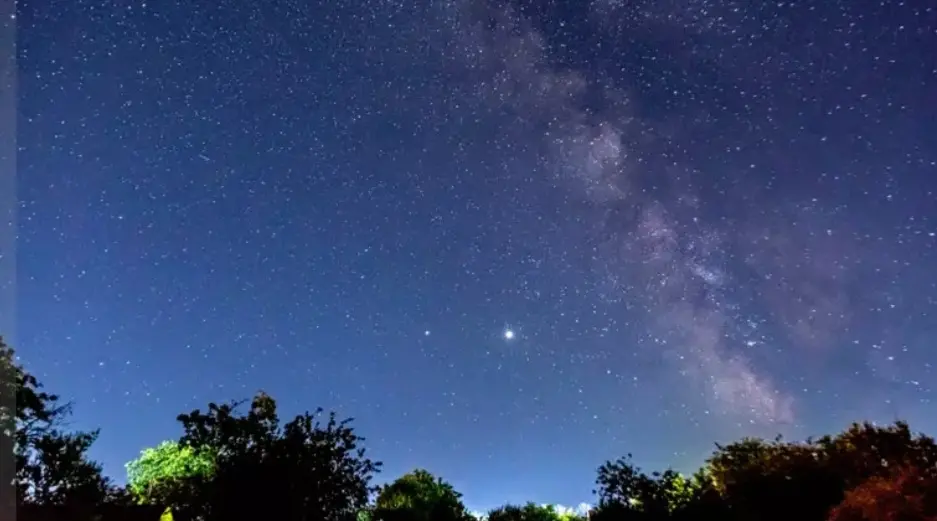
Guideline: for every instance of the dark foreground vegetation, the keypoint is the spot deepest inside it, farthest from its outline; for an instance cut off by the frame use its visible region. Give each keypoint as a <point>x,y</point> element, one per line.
<point>240,461</point>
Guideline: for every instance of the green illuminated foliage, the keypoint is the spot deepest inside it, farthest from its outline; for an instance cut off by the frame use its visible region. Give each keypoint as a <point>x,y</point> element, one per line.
<point>420,496</point>
<point>161,472</point>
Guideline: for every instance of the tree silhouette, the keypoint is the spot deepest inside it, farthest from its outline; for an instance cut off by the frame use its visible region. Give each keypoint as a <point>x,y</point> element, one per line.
<point>782,480</point>
<point>420,496</point>
<point>774,480</point>
<point>625,492</point>
<point>302,470</point>
<point>865,450</point>
<point>512,513</point>
<point>52,466</point>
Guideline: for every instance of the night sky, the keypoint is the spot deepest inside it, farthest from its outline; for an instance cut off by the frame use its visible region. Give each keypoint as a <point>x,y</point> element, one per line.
<point>513,239</point>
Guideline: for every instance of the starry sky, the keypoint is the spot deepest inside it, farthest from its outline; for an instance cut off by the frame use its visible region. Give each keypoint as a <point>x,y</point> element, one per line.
<point>697,219</point>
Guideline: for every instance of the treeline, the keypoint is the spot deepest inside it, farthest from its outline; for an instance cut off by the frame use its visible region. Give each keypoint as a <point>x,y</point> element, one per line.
<point>240,461</point>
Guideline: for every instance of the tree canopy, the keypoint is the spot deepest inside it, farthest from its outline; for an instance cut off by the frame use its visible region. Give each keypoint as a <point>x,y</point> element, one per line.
<point>169,474</point>
<point>52,465</point>
<point>230,464</point>
<point>420,496</point>
<point>530,512</point>
<point>904,493</point>
<point>777,479</point>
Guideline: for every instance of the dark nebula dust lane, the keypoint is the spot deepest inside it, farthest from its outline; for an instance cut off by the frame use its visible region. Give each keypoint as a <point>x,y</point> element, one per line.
<point>513,239</point>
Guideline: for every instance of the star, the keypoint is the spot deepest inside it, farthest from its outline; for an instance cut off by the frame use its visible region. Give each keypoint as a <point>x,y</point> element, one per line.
<point>508,334</point>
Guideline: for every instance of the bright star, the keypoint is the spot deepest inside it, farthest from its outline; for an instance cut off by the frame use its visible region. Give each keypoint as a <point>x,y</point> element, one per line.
<point>508,334</point>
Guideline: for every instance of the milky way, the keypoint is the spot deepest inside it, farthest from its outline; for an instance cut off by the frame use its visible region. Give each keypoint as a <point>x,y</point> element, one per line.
<point>657,246</point>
